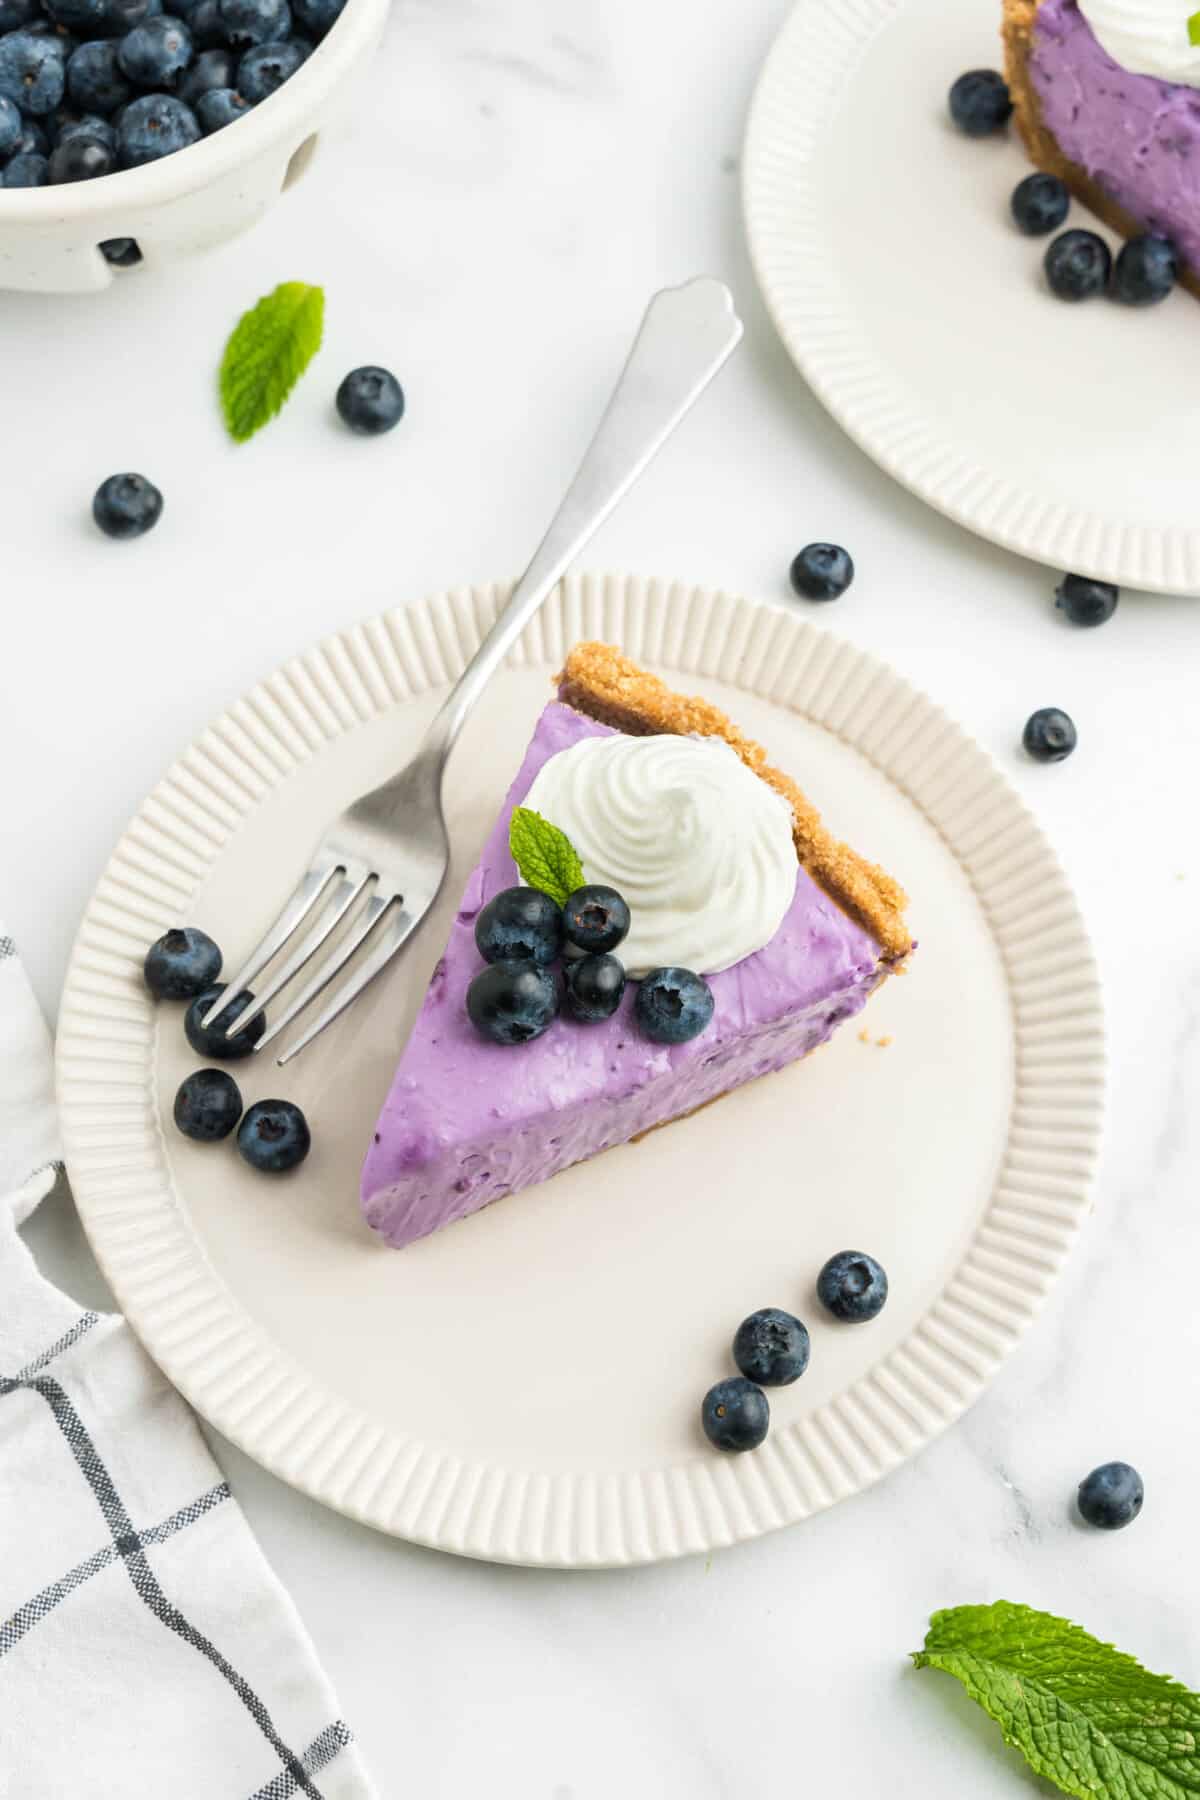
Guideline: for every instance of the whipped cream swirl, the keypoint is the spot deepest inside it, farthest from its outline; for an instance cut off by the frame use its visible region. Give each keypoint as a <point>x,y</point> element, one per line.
<point>1147,37</point>
<point>699,846</point>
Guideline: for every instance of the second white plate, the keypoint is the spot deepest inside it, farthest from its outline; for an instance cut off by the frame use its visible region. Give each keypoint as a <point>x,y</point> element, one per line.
<point>918,314</point>
<point>525,1385</point>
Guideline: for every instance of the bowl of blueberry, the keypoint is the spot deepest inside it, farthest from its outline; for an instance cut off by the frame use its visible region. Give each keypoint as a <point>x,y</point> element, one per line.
<point>141,131</point>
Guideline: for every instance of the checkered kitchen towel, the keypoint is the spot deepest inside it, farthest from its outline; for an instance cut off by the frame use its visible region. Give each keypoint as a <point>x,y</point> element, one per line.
<point>146,1650</point>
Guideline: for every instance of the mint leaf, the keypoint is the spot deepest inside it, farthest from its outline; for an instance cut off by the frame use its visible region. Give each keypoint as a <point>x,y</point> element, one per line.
<point>544,855</point>
<point>1194,28</point>
<point>268,352</point>
<point>1082,1714</point>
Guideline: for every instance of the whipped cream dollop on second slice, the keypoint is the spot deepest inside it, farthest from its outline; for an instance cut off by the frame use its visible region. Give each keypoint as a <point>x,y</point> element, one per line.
<point>697,844</point>
<point>1147,37</point>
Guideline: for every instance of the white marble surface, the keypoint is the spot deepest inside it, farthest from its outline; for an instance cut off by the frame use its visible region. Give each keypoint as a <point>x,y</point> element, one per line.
<point>525,172</point>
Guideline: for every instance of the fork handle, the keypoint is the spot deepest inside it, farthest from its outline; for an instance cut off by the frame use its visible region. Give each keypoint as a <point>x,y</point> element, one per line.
<point>685,337</point>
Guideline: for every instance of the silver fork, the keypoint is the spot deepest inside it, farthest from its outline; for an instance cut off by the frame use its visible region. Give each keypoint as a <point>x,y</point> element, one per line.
<point>380,865</point>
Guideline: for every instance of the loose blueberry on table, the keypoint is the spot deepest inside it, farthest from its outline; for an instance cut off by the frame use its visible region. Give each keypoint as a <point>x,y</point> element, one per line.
<point>1147,268</point>
<point>213,1040</point>
<point>821,572</point>
<point>1111,1496</point>
<point>595,918</point>
<point>1078,265</point>
<point>1040,203</point>
<point>735,1414</point>
<point>771,1347</point>
<point>512,1002</point>
<point>1084,601</point>
<point>181,964</point>
<point>520,924</point>
<point>208,1105</point>
<point>274,1136</point>
<point>673,1005</point>
<point>980,102</point>
<point>126,506</point>
<point>594,986</point>
<point>1049,735</point>
<point>370,401</point>
<point>853,1287</point>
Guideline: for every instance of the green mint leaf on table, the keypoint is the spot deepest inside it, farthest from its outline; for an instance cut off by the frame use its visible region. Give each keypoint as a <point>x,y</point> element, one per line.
<point>268,352</point>
<point>544,855</point>
<point>1088,1718</point>
<point>1194,28</point>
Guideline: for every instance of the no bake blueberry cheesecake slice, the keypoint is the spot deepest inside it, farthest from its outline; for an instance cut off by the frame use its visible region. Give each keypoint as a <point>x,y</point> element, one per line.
<point>1105,96</point>
<point>730,878</point>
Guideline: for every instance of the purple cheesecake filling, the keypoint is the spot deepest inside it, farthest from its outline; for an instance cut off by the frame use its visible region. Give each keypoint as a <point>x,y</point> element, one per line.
<point>467,1122</point>
<point>1136,136</point>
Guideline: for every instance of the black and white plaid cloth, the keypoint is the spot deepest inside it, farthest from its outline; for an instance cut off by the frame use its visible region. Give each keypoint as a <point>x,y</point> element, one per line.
<point>147,1652</point>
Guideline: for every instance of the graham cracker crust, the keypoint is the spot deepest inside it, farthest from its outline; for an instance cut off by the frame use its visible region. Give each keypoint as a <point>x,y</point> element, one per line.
<point>1017,31</point>
<point>606,685</point>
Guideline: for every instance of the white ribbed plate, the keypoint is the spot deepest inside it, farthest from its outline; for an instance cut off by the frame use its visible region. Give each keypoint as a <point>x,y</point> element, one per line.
<point>525,1385</point>
<point>916,311</point>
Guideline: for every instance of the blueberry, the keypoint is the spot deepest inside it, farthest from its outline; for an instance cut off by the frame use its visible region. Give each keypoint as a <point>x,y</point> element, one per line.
<point>1040,203</point>
<point>1049,734</point>
<point>181,964</point>
<point>1078,265</point>
<point>203,20</point>
<point>821,572</point>
<point>152,126</point>
<point>1086,602</point>
<point>215,68</point>
<point>95,80</point>
<point>16,13</point>
<point>595,918</point>
<point>371,401</point>
<point>1146,271</point>
<point>120,16</point>
<point>32,72</point>
<point>519,924</point>
<point>211,1040</point>
<point>10,126</point>
<point>673,1005</point>
<point>266,67</point>
<point>512,1002</point>
<point>126,506</point>
<point>274,1136</point>
<point>90,126</point>
<point>1111,1496</point>
<point>26,170</point>
<point>81,157</point>
<point>100,18</point>
<point>853,1287</point>
<point>247,22</point>
<point>122,253</point>
<point>33,140</point>
<point>980,102</point>
<point>594,986</point>
<point>208,1105</point>
<point>735,1414</point>
<point>220,107</point>
<point>317,16</point>
<point>156,52</point>
<point>771,1347</point>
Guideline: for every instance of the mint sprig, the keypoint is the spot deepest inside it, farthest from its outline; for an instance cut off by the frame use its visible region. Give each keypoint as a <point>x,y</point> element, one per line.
<point>544,855</point>
<point>267,353</point>
<point>1194,28</point>
<point>1084,1715</point>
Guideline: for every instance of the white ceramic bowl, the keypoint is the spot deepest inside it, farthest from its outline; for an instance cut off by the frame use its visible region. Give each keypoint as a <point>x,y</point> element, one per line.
<point>50,236</point>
